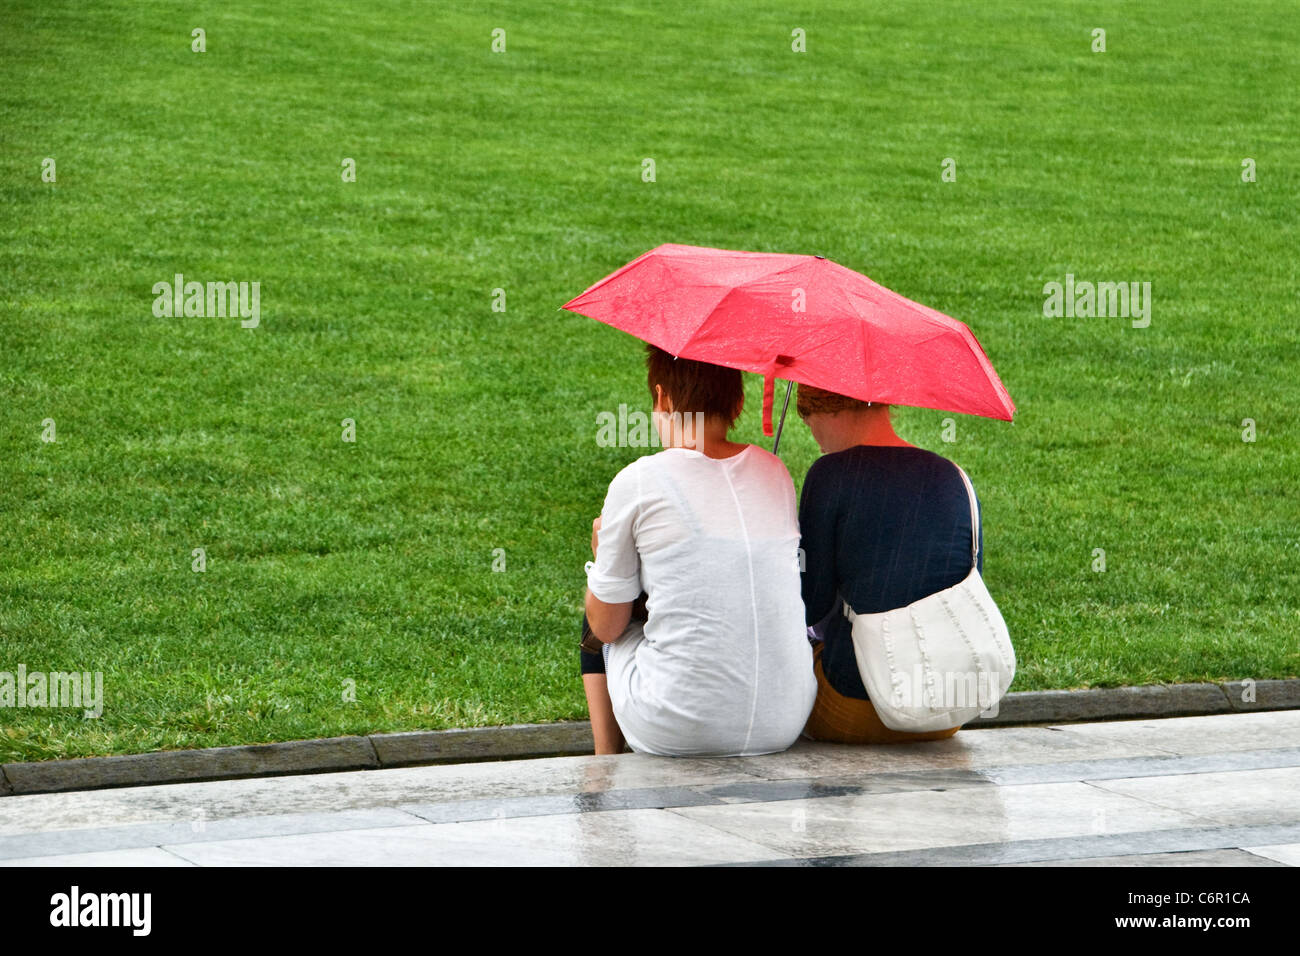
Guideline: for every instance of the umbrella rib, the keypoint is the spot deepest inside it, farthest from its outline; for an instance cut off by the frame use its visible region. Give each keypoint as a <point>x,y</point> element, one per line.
<point>991,373</point>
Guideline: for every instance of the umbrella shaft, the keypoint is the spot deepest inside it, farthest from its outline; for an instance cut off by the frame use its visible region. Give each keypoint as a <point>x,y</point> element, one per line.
<point>776,443</point>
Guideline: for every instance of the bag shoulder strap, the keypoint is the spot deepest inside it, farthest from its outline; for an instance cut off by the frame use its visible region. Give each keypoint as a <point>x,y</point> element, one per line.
<point>974,517</point>
<point>974,535</point>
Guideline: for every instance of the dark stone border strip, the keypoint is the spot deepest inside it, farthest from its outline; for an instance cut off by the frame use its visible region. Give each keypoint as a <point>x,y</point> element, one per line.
<point>328,755</point>
<point>418,747</point>
<point>176,766</point>
<point>572,738</point>
<point>1135,703</point>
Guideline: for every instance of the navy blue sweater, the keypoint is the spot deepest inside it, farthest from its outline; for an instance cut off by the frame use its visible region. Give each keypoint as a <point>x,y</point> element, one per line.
<point>881,526</point>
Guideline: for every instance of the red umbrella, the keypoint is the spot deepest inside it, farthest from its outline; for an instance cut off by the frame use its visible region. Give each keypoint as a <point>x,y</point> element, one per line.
<point>804,318</point>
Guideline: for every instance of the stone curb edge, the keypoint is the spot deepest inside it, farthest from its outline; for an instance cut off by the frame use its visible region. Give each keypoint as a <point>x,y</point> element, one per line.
<point>570,738</point>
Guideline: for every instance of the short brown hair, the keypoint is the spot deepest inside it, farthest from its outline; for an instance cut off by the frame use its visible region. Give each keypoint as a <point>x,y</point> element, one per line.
<point>695,386</point>
<point>815,401</point>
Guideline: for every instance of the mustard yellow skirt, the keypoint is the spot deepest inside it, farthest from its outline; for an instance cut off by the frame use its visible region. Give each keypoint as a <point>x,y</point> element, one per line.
<point>847,720</point>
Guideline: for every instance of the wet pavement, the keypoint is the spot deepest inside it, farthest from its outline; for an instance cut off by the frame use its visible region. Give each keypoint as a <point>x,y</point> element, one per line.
<point>1194,791</point>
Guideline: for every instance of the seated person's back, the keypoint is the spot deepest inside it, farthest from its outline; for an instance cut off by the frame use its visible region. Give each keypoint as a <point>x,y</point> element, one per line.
<point>882,527</point>
<point>723,665</point>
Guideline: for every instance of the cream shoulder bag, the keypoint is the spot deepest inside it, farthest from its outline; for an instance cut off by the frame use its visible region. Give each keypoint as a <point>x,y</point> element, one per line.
<point>940,661</point>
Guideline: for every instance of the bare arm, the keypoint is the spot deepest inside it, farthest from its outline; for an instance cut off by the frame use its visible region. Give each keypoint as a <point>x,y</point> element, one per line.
<point>607,621</point>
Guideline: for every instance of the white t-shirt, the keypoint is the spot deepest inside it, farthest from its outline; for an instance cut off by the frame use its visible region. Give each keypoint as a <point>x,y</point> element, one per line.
<point>723,666</point>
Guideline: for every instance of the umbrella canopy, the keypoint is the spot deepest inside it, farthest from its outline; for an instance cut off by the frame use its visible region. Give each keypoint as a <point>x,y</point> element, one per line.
<point>802,318</point>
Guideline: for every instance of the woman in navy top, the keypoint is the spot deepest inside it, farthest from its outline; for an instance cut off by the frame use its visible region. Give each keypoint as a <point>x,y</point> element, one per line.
<point>883,524</point>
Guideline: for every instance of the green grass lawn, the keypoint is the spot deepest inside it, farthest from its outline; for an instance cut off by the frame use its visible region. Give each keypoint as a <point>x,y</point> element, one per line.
<point>333,565</point>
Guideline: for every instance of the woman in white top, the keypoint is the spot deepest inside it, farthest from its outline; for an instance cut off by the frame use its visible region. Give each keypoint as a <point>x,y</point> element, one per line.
<point>708,529</point>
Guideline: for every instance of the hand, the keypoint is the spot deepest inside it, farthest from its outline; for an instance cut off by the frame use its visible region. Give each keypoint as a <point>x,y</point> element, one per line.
<point>595,527</point>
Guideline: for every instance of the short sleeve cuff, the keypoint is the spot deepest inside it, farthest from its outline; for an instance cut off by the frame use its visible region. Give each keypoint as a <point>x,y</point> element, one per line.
<point>612,590</point>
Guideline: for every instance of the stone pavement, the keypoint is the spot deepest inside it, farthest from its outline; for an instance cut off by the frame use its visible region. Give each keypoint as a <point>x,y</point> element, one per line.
<point>1199,791</point>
